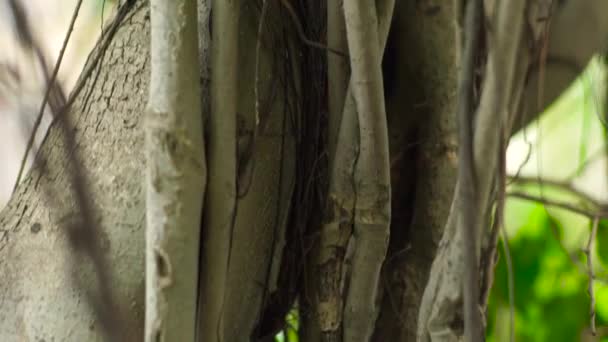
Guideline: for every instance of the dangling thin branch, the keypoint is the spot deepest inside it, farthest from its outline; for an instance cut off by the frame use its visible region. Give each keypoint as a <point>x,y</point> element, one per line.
<point>53,93</point>
<point>302,35</point>
<point>466,174</point>
<point>589,254</point>
<point>338,71</point>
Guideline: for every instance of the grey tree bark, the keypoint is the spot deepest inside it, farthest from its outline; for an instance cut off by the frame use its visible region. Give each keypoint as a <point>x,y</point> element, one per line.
<point>281,168</point>
<point>176,173</point>
<point>44,286</point>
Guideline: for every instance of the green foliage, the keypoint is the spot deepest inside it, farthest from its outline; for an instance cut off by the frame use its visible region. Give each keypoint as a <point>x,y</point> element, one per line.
<point>290,332</point>
<point>551,300</point>
<point>550,272</point>
<point>601,247</point>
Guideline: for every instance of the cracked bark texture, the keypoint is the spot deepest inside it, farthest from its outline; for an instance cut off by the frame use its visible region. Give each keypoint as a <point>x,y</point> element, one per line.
<point>38,296</point>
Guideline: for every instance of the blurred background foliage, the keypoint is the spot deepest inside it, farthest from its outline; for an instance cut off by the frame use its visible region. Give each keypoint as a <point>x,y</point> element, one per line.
<point>560,157</point>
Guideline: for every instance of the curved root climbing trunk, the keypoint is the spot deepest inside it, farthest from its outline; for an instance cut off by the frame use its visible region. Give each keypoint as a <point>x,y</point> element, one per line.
<point>372,214</point>
<point>466,170</point>
<point>359,185</point>
<point>175,174</point>
<point>444,291</point>
<point>221,198</point>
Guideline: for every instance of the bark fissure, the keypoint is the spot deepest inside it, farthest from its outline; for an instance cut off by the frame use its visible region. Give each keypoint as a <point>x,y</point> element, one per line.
<point>108,153</point>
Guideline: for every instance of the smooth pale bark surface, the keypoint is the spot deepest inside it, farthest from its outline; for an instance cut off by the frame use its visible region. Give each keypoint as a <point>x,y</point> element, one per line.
<point>175,173</point>
<point>221,196</point>
<point>260,219</point>
<point>336,229</point>
<point>372,175</point>
<point>38,298</point>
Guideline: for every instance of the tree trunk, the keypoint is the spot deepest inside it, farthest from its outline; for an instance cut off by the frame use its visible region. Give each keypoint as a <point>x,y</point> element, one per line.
<point>45,284</point>
<point>269,264</point>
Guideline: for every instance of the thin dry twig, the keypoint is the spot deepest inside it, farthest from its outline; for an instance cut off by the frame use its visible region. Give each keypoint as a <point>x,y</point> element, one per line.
<point>563,185</point>
<point>94,59</point>
<point>510,282</point>
<point>588,252</point>
<point>84,233</point>
<point>565,206</point>
<point>601,213</point>
<point>26,38</point>
<point>542,56</point>
<point>593,157</point>
<point>526,159</point>
<point>490,257</point>
<point>83,229</point>
<point>50,87</point>
<point>466,173</point>
<point>302,35</point>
